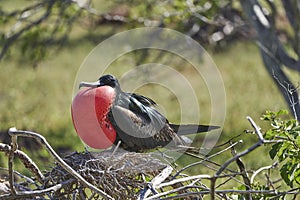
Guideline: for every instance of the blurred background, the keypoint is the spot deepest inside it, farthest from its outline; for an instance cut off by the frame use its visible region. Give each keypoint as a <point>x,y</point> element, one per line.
<point>43,44</point>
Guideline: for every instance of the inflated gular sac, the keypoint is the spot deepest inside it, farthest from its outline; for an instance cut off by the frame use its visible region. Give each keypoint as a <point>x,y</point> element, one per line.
<point>89,114</point>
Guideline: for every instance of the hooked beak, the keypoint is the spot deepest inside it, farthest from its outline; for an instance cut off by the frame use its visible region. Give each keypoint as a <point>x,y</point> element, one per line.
<point>89,84</point>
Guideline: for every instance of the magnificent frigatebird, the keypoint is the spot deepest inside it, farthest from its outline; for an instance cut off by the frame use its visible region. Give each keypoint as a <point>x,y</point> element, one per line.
<point>129,118</point>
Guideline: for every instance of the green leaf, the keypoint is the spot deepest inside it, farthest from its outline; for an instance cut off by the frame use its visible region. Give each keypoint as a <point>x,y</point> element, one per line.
<point>274,150</point>
<point>297,176</point>
<point>288,149</point>
<point>282,151</point>
<point>241,187</point>
<point>270,134</point>
<point>282,112</point>
<point>296,128</point>
<point>271,116</point>
<point>298,140</point>
<point>285,175</point>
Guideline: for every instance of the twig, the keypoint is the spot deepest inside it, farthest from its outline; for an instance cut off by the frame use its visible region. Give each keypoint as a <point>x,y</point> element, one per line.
<point>10,172</point>
<point>156,181</point>
<point>30,180</point>
<point>270,192</point>
<point>292,191</point>
<point>205,159</point>
<point>14,133</point>
<point>237,156</point>
<point>289,90</point>
<point>11,153</point>
<point>35,193</point>
<point>262,169</point>
<point>180,180</point>
<point>157,196</point>
<point>28,163</point>
<point>243,170</point>
<point>257,129</point>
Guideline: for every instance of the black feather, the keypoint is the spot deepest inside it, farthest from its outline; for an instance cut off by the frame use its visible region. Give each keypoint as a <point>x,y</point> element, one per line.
<point>139,125</point>
<point>186,129</point>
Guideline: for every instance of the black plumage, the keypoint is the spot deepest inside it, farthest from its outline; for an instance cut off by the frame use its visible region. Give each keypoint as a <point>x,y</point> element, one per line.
<point>139,126</point>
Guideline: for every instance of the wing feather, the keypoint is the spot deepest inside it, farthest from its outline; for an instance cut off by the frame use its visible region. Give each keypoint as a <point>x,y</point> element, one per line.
<point>143,107</point>
<point>144,100</point>
<point>137,134</point>
<point>186,129</point>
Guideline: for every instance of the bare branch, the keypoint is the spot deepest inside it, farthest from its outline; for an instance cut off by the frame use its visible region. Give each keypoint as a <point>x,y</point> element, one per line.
<point>25,159</point>
<point>237,156</point>
<point>273,53</point>
<point>10,172</point>
<point>157,196</point>
<point>262,169</point>
<point>206,159</point>
<point>225,165</point>
<point>290,90</point>
<point>243,170</point>
<point>127,172</point>
<point>196,177</point>
<point>35,193</point>
<point>269,192</point>
<point>43,141</point>
<point>156,182</point>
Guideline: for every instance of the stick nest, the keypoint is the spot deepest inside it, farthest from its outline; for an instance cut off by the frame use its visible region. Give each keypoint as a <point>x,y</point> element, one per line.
<point>120,175</point>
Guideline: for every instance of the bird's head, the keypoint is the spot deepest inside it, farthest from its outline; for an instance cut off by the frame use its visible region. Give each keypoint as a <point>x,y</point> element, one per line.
<point>108,80</point>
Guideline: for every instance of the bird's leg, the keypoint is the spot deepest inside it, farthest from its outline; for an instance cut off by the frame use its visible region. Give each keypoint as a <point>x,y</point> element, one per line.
<point>116,148</point>
<point>86,149</point>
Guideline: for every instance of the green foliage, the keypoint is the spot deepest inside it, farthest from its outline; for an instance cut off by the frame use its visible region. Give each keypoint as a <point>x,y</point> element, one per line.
<point>284,136</point>
<point>35,25</point>
<point>31,44</point>
<point>31,28</point>
<point>180,15</point>
<point>287,149</point>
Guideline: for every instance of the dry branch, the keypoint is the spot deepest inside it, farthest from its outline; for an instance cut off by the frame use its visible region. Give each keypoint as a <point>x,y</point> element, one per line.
<point>127,175</point>
<point>272,49</point>
<point>26,160</point>
<point>15,133</point>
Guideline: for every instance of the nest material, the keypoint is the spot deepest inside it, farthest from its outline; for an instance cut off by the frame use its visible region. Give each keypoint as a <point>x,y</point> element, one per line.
<point>125,175</point>
<point>121,175</point>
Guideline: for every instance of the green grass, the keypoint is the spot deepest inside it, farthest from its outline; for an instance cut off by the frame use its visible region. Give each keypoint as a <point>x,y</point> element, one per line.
<point>39,99</point>
<point>249,89</point>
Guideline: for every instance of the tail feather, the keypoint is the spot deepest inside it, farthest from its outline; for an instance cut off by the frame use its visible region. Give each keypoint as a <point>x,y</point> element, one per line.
<point>187,129</point>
